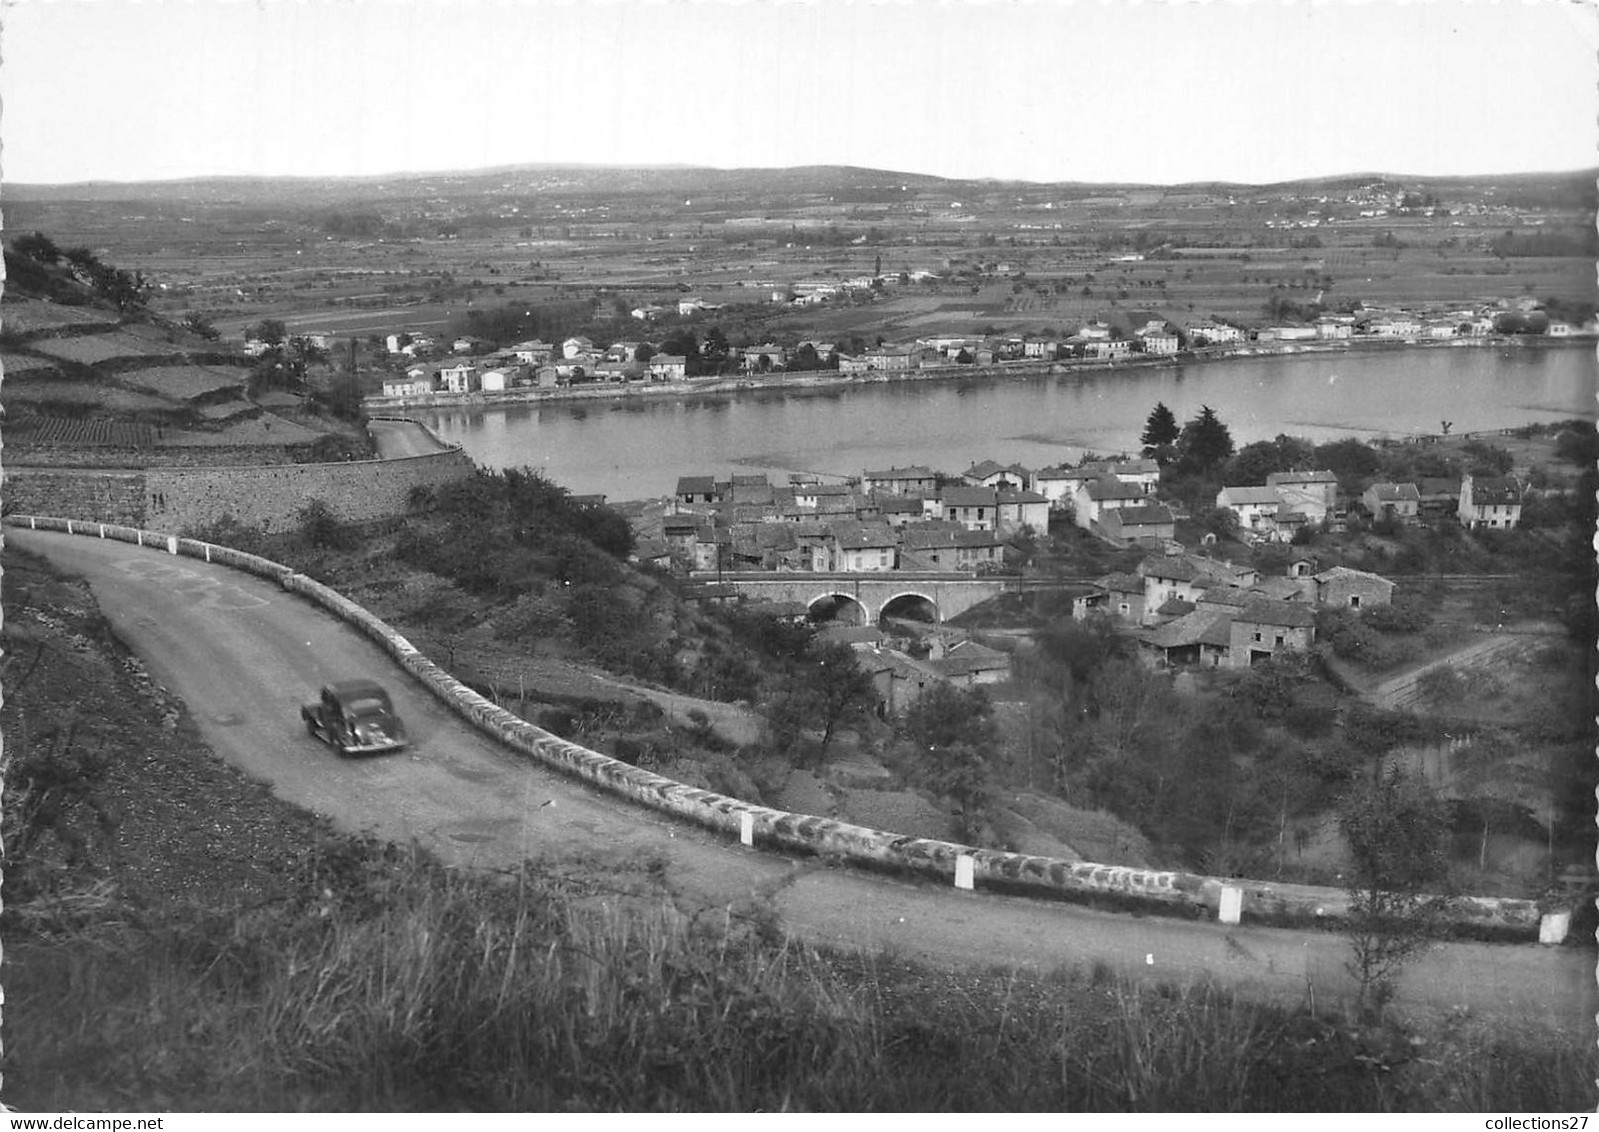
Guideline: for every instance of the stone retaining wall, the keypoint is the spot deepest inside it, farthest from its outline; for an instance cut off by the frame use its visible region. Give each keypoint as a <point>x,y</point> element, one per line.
<point>1260,901</point>
<point>261,495</point>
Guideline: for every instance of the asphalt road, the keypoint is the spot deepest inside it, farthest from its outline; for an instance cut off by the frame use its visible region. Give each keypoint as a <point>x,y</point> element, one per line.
<point>244,655</point>
<point>402,438</point>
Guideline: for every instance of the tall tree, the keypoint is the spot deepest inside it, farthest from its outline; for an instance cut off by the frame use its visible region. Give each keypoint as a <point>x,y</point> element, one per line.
<point>1205,441</point>
<point>1160,430</point>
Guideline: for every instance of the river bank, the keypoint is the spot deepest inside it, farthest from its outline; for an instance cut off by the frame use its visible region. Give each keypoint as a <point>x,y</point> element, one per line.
<point>833,380</point>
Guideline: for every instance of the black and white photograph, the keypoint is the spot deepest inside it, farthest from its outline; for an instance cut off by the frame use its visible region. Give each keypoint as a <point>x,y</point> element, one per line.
<point>808,556</point>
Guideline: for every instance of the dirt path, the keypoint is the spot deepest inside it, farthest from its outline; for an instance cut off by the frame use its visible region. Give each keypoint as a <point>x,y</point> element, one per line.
<point>1400,690</point>
<point>243,654</point>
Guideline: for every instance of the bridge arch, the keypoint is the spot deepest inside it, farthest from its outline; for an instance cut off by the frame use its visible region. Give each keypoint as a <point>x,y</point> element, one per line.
<point>841,608</point>
<point>911,606</point>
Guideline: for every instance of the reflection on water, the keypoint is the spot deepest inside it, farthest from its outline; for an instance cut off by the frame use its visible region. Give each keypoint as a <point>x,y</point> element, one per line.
<point>638,447</point>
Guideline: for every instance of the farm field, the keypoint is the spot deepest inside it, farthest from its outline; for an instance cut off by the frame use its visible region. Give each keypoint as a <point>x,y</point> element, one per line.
<point>31,318</point>
<point>25,363</point>
<point>91,349</point>
<point>81,394</point>
<point>184,382</point>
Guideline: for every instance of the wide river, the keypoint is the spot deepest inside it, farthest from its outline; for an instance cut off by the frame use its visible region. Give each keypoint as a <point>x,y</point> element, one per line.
<point>637,447</point>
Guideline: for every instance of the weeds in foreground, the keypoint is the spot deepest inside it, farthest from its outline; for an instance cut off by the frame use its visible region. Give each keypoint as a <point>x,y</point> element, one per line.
<point>395,985</point>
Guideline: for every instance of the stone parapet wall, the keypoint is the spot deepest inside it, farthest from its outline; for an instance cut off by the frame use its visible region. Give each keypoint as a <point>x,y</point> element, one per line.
<point>1259,901</point>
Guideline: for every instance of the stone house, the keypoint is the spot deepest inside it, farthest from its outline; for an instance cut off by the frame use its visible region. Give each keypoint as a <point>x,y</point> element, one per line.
<point>1343,588</point>
<point>1265,627</point>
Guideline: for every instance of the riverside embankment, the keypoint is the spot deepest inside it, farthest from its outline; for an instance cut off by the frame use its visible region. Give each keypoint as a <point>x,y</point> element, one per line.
<point>635,444</point>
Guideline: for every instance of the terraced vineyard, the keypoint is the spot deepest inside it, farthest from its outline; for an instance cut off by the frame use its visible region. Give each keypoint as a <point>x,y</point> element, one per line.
<point>66,431</point>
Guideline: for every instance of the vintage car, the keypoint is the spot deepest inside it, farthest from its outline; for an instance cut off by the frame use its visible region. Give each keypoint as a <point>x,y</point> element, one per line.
<point>355,717</point>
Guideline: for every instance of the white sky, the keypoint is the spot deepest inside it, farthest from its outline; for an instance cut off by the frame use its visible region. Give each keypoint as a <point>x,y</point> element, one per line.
<point>1046,90</point>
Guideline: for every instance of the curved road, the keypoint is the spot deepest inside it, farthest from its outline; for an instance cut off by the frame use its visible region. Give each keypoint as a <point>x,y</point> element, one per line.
<point>396,438</point>
<point>244,655</point>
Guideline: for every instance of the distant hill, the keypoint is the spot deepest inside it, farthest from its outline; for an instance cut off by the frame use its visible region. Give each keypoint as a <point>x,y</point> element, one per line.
<point>625,179</point>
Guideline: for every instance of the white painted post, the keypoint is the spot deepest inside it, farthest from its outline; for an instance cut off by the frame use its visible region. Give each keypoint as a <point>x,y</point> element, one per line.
<point>69,527</point>
<point>1232,904</point>
<point>172,544</point>
<point>965,871</point>
<point>1553,927</point>
<point>208,552</point>
<point>746,828</point>
<point>102,530</point>
<point>138,535</point>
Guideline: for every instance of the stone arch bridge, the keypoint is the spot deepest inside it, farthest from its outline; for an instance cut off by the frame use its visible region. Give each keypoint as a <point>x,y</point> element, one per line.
<point>863,598</point>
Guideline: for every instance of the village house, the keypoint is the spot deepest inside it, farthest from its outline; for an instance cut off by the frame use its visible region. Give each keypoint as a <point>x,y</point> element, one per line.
<point>668,367</point>
<point>1147,522</point>
<point>1343,588</point>
<point>900,510</point>
<point>414,382</point>
<point>1059,484</point>
<point>823,498</point>
<point>975,508</point>
<point>1142,473</point>
<point>1255,507</point>
<point>1021,510</point>
<point>1396,501</point>
<point>532,353</point>
<point>1185,577</point>
<point>1158,339</point>
<point>914,480</point>
<point>699,489</point>
<point>1437,496</point>
<point>498,379</point>
<point>858,547</point>
<point>942,545</point>
<point>1124,595</point>
<point>1097,496</point>
<point>1213,333</point>
<point>460,378</point>
<point>750,358</point>
<point>1013,477</point>
<point>1265,627</point>
<point>1314,493</point>
<point>1490,501</point>
<point>1201,638</point>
